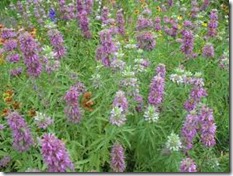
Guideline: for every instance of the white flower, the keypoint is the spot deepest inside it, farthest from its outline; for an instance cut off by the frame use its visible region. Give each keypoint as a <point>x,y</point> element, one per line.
<point>179,79</point>
<point>96,80</point>
<point>140,51</point>
<point>198,74</point>
<point>151,115</point>
<point>173,143</point>
<point>117,116</point>
<point>97,17</point>
<point>48,52</point>
<point>127,72</point>
<point>42,120</point>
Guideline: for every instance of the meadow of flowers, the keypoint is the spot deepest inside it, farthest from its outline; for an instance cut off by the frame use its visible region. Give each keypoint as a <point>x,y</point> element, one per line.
<point>114,86</point>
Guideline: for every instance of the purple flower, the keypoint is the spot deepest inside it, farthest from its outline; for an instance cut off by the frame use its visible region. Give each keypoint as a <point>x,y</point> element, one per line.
<point>157,24</point>
<point>79,6</point>
<point>30,50</point>
<point>10,45</point>
<point>198,92</point>
<point>84,23</point>
<point>5,161</point>
<point>8,33</point>
<point>72,96</point>
<point>208,127</point>
<point>157,86</point>
<point>20,131</point>
<point>189,129</point>
<point>70,12</point>
<point>146,41</point>
<point>190,104</point>
<point>80,87</point>
<point>208,50</point>
<point>120,101</point>
<point>14,58</point>
<point>117,158</point>
<point>139,100</point>
<point>173,30</point>
<point>170,2</point>
<point>106,48</point>
<point>188,24</point>
<point>120,22</point>
<point>16,72</point>
<point>56,40</point>
<point>144,23</point>
<point>55,154</point>
<point>52,15</point>
<point>72,109</point>
<point>88,6</point>
<point>188,165</point>
<point>62,7</point>
<point>73,113</point>
<point>213,23</point>
<point>195,8</point>
<point>195,96</point>
<point>205,4</point>
<point>104,15</point>
<point>161,70</point>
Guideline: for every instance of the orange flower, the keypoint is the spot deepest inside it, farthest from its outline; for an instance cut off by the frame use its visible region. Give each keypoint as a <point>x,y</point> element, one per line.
<point>9,92</point>
<point>8,96</point>
<point>136,11</point>
<point>86,101</point>
<point>8,100</point>
<point>32,113</point>
<point>144,4</point>
<point>16,105</point>
<point>159,8</point>
<point>2,41</point>
<point>33,32</point>
<point>1,26</point>
<point>5,112</point>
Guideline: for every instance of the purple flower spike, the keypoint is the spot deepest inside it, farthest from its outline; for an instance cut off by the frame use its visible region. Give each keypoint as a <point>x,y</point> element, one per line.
<point>208,127</point>
<point>5,161</point>
<point>189,130</point>
<point>10,45</point>
<point>146,41</point>
<point>55,154</point>
<point>56,40</point>
<point>73,113</point>
<point>117,158</point>
<point>84,23</point>
<point>30,50</point>
<point>104,15</point>
<point>22,139</point>
<point>72,109</point>
<point>188,165</point>
<point>187,43</point>
<point>120,22</point>
<point>156,93</point>
<point>208,50</point>
<point>213,23</point>
<point>121,101</point>
<point>14,58</point>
